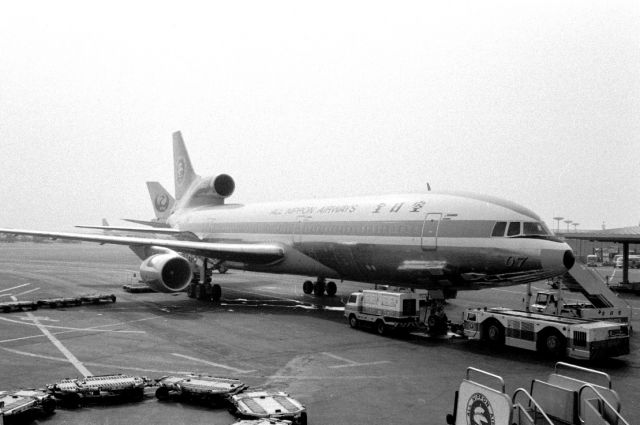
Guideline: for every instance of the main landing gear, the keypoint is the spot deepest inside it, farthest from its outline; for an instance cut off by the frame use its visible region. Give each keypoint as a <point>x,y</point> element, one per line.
<point>319,287</point>
<point>201,287</point>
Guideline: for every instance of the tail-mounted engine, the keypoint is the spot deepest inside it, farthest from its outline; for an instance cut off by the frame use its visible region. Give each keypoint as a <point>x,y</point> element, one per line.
<point>166,272</point>
<point>212,190</point>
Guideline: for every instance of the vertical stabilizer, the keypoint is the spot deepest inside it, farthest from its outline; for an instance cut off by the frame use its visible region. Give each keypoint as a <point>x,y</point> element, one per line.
<point>161,200</point>
<point>182,169</point>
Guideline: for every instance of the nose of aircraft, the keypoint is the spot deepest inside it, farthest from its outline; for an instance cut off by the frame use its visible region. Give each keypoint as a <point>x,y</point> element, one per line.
<point>559,260</point>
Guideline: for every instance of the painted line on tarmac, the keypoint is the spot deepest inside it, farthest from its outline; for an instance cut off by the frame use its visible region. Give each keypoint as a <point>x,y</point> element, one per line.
<point>212,364</point>
<point>27,292</point>
<point>93,329</point>
<point>351,363</point>
<point>15,287</point>
<point>55,341</point>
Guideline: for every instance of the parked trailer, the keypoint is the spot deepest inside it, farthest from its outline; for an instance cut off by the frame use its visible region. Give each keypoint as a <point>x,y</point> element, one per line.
<point>13,404</point>
<point>199,387</point>
<point>10,306</point>
<point>73,391</point>
<point>269,405</point>
<point>383,309</point>
<point>551,335</point>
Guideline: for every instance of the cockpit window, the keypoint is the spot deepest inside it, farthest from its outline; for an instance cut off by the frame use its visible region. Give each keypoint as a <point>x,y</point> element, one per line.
<point>499,228</point>
<point>514,228</point>
<point>533,228</point>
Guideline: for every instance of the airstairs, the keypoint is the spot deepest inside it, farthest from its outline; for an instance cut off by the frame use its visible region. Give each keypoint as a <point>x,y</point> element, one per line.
<point>589,283</point>
<point>571,395</point>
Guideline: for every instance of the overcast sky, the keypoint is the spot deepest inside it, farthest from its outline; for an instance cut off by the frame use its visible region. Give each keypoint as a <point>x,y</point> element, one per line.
<point>536,102</point>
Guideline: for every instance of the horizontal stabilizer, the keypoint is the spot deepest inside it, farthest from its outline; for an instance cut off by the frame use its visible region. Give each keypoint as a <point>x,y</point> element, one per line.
<point>155,224</point>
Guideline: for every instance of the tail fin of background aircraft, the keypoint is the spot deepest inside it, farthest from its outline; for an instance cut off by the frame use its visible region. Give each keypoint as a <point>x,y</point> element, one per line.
<point>161,200</point>
<point>182,169</point>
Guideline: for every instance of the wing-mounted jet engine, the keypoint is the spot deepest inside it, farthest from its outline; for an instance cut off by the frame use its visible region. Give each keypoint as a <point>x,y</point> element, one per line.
<point>166,271</point>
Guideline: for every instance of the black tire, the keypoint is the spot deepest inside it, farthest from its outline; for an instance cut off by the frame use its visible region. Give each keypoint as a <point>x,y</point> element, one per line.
<point>136,394</point>
<point>191,291</point>
<point>6,309</point>
<point>332,288</point>
<point>162,393</point>
<point>307,287</point>
<point>113,298</point>
<point>303,418</point>
<point>353,321</point>
<point>380,327</point>
<point>216,292</point>
<point>48,406</point>
<point>71,401</point>
<point>494,333</point>
<point>318,288</point>
<point>199,292</point>
<point>552,344</point>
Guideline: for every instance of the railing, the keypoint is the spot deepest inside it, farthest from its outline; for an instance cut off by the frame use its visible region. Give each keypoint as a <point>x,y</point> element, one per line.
<point>537,411</point>
<point>610,414</point>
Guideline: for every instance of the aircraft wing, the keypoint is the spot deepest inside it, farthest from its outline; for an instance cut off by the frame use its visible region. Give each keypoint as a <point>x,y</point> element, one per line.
<point>259,253</point>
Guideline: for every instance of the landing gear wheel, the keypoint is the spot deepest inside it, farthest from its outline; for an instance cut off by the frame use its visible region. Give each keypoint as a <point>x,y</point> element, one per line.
<point>353,321</point>
<point>307,287</point>
<point>318,288</point>
<point>216,292</point>
<point>332,288</point>
<point>380,328</point>
<point>191,291</point>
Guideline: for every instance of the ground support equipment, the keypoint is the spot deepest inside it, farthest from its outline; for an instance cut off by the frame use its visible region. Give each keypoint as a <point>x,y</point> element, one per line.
<point>137,288</point>
<point>72,392</point>
<point>273,405</point>
<point>9,306</point>
<point>198,387</point>
<point>265,421</point>
<point>14,405</point>
<point>571,395</point>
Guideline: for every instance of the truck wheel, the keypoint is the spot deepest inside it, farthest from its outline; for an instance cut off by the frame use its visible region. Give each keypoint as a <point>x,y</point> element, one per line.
<point>48,406</point>
<point>552,344</point>
<point>136,394</point>
<point>71,401</point>
<point>303,418</point>
<point>353,321</point>
<point>216,292</point>
<point>380,328</point>
<point>332,288</point>
<point>162,393</point>
<point>494,333</point>
<point>307,287</point>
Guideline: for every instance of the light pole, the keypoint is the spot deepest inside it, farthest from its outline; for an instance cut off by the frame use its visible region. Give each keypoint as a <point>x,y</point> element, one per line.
<point>558,219</point>
<point>568,223</point>
<point>575,225</point>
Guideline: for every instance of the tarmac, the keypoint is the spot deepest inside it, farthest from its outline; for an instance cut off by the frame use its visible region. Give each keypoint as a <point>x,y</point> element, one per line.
<point>265,332</point>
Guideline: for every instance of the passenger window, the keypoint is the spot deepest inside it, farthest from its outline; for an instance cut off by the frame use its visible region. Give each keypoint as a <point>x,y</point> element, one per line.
<point>514,228</point>
<point>499,228</point>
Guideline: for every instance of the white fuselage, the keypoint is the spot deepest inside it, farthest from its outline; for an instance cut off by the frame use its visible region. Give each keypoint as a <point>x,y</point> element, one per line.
<point>426,239</point>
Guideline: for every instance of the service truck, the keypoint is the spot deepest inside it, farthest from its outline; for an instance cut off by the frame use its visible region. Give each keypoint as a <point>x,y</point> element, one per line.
<point>384,309</point>
<point>551,335</point>
<point>553,303</point>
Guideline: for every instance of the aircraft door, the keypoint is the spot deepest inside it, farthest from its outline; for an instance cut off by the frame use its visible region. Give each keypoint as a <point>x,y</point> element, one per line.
<point>429,238</point>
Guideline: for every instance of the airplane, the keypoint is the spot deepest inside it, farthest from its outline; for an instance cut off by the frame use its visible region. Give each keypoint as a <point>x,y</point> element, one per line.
<point>433,240</point>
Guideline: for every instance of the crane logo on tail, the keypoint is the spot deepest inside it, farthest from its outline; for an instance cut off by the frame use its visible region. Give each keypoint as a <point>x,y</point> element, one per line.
<point>479,411</point>
<point>162,202</point>
<point>180,170</point>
